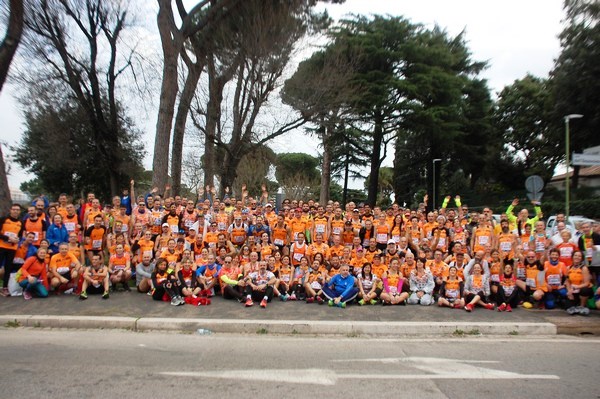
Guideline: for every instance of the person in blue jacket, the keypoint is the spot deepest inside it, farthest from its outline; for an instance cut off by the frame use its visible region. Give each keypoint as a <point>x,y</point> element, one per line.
<point>341,288</point>
<point>56,233</point>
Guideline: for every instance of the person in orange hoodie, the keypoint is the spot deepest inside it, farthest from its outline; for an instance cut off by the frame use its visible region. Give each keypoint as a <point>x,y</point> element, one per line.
<point>34,278</point>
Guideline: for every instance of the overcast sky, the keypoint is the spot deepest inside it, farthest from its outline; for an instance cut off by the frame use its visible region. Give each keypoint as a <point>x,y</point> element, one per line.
<point>516,37</point>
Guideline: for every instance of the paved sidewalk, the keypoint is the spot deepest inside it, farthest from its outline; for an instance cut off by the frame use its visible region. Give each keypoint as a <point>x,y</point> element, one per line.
<point>288,317</point>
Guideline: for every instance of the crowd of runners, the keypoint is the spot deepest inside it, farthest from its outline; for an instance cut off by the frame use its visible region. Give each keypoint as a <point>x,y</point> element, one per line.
<point>250,249</point>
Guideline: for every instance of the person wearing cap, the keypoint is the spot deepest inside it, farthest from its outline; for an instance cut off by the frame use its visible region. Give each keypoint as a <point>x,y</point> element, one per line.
<point>212,236</point>
<point>161,241</point>
<point>270,215</point>
<point>357,223</point>
<point>391,250</point>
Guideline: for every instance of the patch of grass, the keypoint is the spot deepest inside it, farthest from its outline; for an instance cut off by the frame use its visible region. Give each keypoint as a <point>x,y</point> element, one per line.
<point>295,332</point>
<point>262,331</point>
<point>353,334</point>
<point>474,332</point>
<point>13,324</point>
<point>458,333</point>
<point>514,332</point>
<point>37,324</point>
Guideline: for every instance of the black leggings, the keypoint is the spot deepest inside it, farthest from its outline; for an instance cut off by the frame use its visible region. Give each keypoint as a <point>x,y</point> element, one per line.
<point>258,295</point>
<point>584,292</point>
<point>232,292</point>
<point>512,299</point>
<point>159,291</point>
<point>7,257</point>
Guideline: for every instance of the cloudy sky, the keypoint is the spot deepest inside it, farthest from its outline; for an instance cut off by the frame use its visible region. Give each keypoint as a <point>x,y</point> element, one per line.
<point>516,37</point>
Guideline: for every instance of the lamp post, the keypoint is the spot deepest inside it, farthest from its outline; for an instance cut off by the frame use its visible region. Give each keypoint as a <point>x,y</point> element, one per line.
<point>434,161</point>
<point>567,183</point>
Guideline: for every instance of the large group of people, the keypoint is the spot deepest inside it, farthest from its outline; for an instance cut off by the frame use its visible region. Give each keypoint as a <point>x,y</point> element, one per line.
<point>250,249</point>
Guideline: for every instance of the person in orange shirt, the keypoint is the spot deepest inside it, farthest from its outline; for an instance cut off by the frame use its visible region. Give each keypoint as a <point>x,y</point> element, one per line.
<point>95,238</point>
<point>119,268</point>
<point>566,249</point>
<point>579,285</point>
<point>11,228</point>
<point>555,280</point>
<point>65,269</point>
<point>33,276</point>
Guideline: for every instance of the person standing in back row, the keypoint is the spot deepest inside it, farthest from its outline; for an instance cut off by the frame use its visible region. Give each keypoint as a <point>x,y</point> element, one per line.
<point>11,228</point>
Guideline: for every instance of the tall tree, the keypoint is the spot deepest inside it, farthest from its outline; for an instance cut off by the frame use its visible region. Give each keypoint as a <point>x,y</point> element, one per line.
<point>523,115</point>
<point>63,45</point>
<point>297,174</point>
<point>8,48</point>
<point>245,72</point>
<point>58,146</point>
<point>173,37</point>
<point>575,78</point>
<point>319,90</point>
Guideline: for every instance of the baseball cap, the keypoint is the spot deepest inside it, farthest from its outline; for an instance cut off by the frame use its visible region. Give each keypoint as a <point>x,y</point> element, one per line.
<point>391,242</point>
<point>165,225</point>
<point>269,205</point>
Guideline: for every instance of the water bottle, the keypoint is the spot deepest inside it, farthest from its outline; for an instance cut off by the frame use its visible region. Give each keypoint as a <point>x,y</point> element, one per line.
<point>203,331</point>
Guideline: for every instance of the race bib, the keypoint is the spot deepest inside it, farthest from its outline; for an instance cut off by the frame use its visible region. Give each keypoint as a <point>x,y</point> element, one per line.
<point>554,280</point>
<point>530,282</point>
<point>278,241</point>
<point>298,256</point>
<point>315,285</point>
<point>495,278</point>
<point>483,240</point>
<point>70,226</point>
<point>96,244</point>
<point>62,270</point>
<point>505,246</point>
<point>319,228</point>
<point>381,237</point>
<point>452,293</point>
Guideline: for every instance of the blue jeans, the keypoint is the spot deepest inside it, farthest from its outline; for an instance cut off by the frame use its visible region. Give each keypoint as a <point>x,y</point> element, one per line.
<point>38,289</point>
<point>551,297</point>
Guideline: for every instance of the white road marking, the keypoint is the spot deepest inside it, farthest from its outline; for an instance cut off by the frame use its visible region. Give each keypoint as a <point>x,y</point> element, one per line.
<point>437,369</point>
<point>303,376</point>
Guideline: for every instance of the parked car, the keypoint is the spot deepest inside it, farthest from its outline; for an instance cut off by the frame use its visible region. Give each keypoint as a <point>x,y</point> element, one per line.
<point>572,222</point>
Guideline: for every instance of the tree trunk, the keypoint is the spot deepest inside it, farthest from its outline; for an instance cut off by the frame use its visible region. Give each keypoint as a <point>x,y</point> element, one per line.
<point>375,161</point>
<point>229,171</point>
<point>326,167</point>
<point>213,117</point>
<point>183,110</point>
<point>168,96</point>
<point>11,41</point>
<point>5,199</point>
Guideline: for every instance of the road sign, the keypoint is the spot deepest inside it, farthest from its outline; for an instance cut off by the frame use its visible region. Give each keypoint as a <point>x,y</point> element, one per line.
<point>586,159</point>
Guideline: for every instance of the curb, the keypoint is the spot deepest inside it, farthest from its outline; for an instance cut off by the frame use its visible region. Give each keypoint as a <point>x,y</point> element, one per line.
<point>349,328</point>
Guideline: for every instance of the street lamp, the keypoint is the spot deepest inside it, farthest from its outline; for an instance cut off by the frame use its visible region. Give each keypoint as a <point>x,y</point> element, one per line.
<point>434,161</point>
<point>568,186</point>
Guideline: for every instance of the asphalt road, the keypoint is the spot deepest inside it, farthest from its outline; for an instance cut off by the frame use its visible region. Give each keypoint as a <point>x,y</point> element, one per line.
<point>109,364</point>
